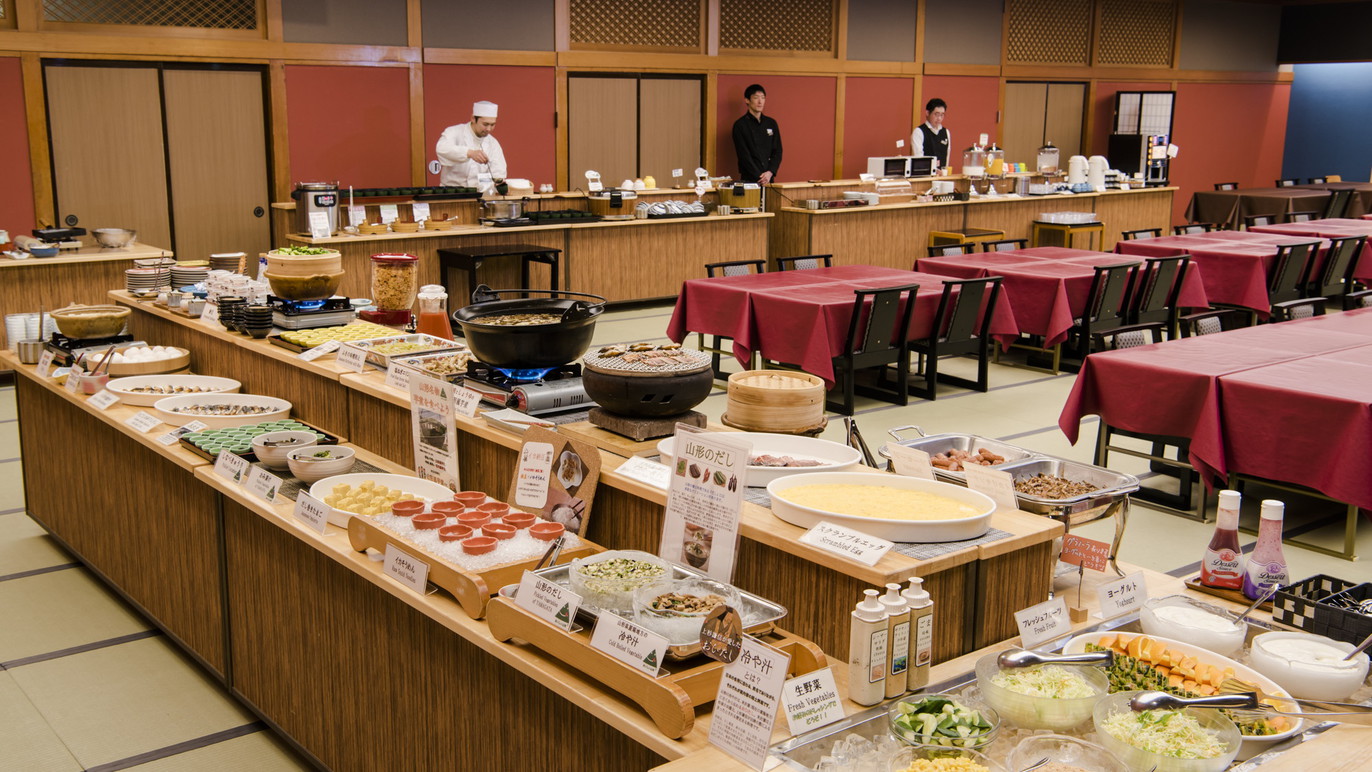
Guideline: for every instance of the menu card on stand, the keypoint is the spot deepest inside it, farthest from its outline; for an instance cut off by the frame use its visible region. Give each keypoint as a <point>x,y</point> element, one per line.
<point>1123,595</point>
<point>746,705</point>
<point>435,434</point>
<point>911,462</point>
<point>556,478</point>
<point>1043,622</point>
<point>812,701</point>
<point>999,485</point>
<point>705,500</point>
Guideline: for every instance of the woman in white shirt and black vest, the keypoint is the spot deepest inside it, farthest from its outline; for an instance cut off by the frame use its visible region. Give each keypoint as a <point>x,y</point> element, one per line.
<point>930,137</point>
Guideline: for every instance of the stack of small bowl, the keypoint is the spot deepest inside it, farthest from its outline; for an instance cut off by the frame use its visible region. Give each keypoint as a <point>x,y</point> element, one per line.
<point>257,320</point>
<point>231,311</point>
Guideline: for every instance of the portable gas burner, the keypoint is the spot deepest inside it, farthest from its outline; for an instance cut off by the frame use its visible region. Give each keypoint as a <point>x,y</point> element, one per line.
<point>537,391</point>
<point>65,349</point>
<point>307,314</point>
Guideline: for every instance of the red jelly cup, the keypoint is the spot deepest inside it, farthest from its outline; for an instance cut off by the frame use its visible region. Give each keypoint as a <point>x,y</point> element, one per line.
<point>478,545</point>
<point>429,521</point>
<point>495,508</point>
<point>407,508</point>
<point>473,518</point>
<point>449,508</point>
<point>519,520</point>
<point>454,532</point>
<point>472,499</point>
<point>546,531</point>
<point>498,530</point>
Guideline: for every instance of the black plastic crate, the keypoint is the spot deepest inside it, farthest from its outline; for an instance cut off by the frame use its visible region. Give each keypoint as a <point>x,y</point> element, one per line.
<point>1339,617</point>
<point>1296,604</point>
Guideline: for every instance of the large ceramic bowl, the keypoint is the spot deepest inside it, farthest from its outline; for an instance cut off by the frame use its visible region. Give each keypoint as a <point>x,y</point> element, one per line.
<point>1041,712</point>
<point>833,456</point>
<point>429,492</point>
<point>271,447</point>
<point>150,389</point>
<point>316,462</point>
<point>1309,666</point>
<point>1212,722</point>
<point>1182,618</point>
<point>179,411</point>
<point>90,321</point>
<point>898,526</point>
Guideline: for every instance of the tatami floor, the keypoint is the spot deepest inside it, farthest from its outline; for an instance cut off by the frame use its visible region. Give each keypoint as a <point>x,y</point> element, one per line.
<point>86,683</point>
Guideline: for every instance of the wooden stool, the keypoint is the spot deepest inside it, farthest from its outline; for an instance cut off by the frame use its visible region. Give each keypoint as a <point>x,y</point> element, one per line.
<point>1061,234</point>
<point>944,238</point>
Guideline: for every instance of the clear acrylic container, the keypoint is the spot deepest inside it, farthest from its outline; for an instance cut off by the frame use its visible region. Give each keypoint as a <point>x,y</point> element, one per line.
<point>395,284</point>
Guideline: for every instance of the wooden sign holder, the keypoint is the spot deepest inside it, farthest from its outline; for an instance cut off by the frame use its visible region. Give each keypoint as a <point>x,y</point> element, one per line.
<point>671,698</point>
<point>473,589</point>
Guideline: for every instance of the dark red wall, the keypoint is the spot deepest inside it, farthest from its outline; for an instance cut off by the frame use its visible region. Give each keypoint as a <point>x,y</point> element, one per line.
<point>1227,132</point>
<point>350,124</point>
<point>525,126</point>
<point>16,192</point>
<point>876,113</point>
<point>973,103</point>
<point>804,109</point>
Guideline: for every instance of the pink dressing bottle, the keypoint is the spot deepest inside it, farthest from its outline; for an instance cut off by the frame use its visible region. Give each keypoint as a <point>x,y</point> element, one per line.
<point>1266,565</point>
<point>1223,563</point>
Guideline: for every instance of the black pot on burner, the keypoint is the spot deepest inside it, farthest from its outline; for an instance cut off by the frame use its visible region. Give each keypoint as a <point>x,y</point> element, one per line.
<point>534,346</point>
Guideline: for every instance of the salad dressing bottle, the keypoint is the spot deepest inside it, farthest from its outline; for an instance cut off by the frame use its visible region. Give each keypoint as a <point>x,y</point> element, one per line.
<point>922,633</point>
<point>898,640</point>
<point>1266,564</point>
<point>1223,563</point>
<point>867,651</point>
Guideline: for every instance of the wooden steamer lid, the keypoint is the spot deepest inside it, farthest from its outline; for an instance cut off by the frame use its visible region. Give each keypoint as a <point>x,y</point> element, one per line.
<point>779,401</point>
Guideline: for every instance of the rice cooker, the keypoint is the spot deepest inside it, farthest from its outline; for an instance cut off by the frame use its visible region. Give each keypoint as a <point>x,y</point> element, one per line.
<point>313,197</point>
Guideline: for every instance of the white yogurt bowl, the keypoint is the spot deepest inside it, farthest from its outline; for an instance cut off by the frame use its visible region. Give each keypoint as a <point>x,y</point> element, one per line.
<point>1309,666</point>
<point>1200,624</point>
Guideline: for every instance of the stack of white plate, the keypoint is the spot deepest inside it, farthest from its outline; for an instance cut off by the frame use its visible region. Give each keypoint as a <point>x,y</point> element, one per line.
<point>229,261</point>
<point>183,276</point>
<point>136,279</point>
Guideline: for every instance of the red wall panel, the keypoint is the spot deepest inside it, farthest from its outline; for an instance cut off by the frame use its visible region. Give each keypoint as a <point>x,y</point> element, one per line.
<point>973,104</point>
<point>1227,132</point>
<point>804,109</point>
<point>16,193</point>
<point>876,113</point>
<point>1104,110</point>
<point>525,126</point>
<point>350,124</point>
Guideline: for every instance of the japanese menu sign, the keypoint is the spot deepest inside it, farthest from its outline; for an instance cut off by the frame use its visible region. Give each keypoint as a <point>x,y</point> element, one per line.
<point>556,478</point>
<point>435,433</point>
<point>746,705</point>
<point>709,477</point>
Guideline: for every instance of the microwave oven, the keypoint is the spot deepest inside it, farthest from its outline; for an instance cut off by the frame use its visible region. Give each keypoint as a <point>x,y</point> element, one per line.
<point>901,166</point>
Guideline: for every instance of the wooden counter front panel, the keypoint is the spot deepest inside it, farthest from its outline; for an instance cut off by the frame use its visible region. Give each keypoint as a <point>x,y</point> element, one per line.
<point>1133,211</point>
<point>381,427</point>
<point>140,521</point>
<point>1016,217</point>
<point>890,238</point>
<point>365,682</point>
<point>637,262</point>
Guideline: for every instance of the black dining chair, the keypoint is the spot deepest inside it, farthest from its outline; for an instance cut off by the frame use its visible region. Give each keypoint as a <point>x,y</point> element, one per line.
<point>962,325</point>
<point>1291,183</point>
<point>1286,282</point>
<point>948,250</point>
<point>1141,233</point>
<point>1250,220</point>
<point>1338,203</point>
<point>1226,186</point>
<point>1209,322</point>
<point>1004,245</point>
<point>1106,305</point>
<point>1194,227</point>
<point>1318,180</point>
<point>716,347</point>
<point>805,262</point>
<point>876,338</point>
<point>1334,279</point>
<point>1153,300</point>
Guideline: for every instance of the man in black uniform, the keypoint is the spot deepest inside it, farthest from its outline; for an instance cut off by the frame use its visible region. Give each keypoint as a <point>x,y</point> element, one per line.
<point>757,140</point>
<point>930,138</point>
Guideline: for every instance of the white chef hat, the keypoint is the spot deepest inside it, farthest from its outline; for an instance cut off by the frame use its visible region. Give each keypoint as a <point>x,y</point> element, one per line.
<point>484,109</point>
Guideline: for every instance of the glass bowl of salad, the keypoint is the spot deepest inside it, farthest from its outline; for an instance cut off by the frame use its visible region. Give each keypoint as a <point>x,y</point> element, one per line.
<point>1189,740</point>
<point>926,758</point>
<point>1057,697</point>
<point>943,720</point>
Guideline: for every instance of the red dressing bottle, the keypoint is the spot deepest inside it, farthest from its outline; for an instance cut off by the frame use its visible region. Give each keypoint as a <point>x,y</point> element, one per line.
<point>1223,563</point>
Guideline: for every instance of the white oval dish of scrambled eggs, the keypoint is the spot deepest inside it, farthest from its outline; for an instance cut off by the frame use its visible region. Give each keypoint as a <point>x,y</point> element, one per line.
<point>901,509</point>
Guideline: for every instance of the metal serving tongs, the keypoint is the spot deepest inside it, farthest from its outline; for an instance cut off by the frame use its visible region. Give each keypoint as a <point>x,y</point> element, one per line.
<point>1245,701</point>
<point>1017,658</point>
<point>856,442</point>
<point>551,555</point>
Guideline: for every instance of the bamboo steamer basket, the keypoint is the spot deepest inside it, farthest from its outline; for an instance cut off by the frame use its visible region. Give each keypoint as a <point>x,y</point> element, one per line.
<point>304,265</point>
<point>779,401</point>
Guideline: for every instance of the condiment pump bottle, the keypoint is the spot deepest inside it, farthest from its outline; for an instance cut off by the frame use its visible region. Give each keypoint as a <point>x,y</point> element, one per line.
<point>1266,564</point>
<point>867,648</point>
<point>922,638</point>
<point>898,640</point>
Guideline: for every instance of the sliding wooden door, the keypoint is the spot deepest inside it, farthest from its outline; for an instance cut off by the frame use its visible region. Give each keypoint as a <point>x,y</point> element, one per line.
<point>632,127</point>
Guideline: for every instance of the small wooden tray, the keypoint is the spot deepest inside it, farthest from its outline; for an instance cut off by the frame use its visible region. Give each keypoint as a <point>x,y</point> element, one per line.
<point>671,698</point>
<point>472,589</point>
<point>1233,596</point>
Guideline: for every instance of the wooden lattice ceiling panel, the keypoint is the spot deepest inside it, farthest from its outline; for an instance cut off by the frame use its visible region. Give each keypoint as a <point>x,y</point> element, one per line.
<point>205,14</point>
<point>671,24</point>
<point>764,25</point>
<point>1136,32</point>
<point>1048,31</point>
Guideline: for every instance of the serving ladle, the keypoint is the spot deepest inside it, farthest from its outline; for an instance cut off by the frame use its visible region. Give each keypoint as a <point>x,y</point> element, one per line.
<point>1017,658</point>
<point>1242,701</point>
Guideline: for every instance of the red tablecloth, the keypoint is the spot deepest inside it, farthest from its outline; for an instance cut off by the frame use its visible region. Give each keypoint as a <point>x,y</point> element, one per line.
<point>1046,287</point>
<point>1173,388</point>
<point>1233,264</point>
<point>1307,422</point>
<point>801,317</point>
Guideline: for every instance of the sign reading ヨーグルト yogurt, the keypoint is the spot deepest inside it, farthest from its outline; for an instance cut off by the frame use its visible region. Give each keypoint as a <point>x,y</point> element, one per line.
<point>709,476</point>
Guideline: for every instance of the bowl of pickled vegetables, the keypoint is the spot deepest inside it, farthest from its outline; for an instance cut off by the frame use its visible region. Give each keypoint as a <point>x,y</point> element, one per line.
<point>1057,697</point>
<point>943,720</point>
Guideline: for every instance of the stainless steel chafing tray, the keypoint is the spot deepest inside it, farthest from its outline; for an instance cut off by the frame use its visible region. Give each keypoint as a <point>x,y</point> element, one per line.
<point>1113,489</point>
<point>759,614</point>
<point>934,444</point>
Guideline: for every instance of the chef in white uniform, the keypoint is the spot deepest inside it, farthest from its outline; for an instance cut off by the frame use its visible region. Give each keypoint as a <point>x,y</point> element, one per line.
<point>468,150</point>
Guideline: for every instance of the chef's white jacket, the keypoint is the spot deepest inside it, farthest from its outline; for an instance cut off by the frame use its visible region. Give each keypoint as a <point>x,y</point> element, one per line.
<point>458,170</point>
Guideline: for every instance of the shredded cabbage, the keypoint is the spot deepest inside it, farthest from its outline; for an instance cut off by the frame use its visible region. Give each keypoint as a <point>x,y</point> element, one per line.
<point>1047,681</point>
<point>1164,732</point>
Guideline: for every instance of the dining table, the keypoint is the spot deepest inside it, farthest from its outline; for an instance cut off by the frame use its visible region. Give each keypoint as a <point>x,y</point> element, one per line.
<point>1325,228</point>
<point>802,317</point>
<point>1228,208</point>
<point>1047,287</point>
<point>1287,402</point>
<point>1235,265</point>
